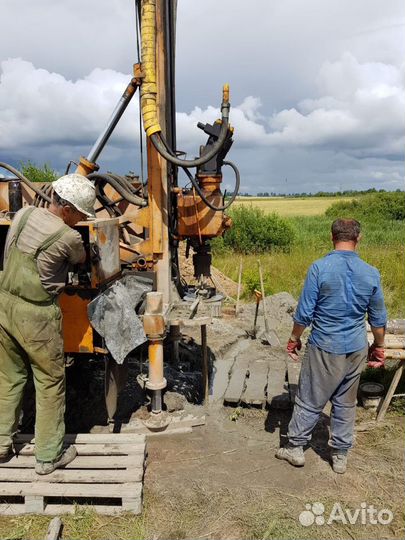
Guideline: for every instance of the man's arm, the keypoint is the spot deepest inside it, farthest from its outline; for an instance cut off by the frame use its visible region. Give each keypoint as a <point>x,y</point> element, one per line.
<point>379,335</point>
<point>308,299</point>
<point>377,317</point>
<point>77,253</point>
<point>305,311</point>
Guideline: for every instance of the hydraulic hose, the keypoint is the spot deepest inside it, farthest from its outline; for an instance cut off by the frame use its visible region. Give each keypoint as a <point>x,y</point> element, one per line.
<point>125,184</point>
<point>187,163</point>
<point>149,94</point>
<point>27,182</point>
<point>206,201</point>
<point>130,197</point>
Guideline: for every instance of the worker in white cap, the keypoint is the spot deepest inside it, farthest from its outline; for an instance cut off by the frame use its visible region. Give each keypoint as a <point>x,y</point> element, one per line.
<point>40,246</point>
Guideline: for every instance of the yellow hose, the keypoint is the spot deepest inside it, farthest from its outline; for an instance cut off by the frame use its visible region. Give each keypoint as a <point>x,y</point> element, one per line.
<point>148,58</point>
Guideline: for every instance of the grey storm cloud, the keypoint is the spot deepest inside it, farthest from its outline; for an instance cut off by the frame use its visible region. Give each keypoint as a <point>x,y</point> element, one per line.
<point>317,87</point>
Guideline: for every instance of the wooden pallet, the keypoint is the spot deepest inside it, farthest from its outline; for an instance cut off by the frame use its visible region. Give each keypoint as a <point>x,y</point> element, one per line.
<point>258,380</point>
<point>107,474</point>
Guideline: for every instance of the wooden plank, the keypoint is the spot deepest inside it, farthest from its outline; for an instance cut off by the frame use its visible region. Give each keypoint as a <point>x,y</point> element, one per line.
<point>27,449</point>
<point>132,504</point>
<point>91,438</point>
<point>395,354</point>
<point>74,476</point>
<point>59,509</point>
<point>277,396</point>
<point>82,462</point>
<point>256,383</point>
<point>54,529</point>
<point>45,489</point>
<point>391,391</point>
<point>222,374</point>
<point>238,378</point>
<point>34,504</point>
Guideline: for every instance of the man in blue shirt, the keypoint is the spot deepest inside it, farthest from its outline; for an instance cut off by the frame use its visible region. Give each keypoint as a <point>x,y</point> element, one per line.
<point>339,290</point>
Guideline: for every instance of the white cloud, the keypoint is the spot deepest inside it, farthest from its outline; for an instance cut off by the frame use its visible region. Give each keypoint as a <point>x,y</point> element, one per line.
<point>358,112</point>
<point>39,108</point>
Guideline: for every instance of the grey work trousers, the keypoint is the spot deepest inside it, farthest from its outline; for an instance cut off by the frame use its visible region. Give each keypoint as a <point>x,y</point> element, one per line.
<point>326,376</point>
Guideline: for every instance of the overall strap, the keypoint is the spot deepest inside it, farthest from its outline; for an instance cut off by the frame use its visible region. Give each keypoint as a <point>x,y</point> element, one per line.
<point>51,240</point>
<point>22,223</point>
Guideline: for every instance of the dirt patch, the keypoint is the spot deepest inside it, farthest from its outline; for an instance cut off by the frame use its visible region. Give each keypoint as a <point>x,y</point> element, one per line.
<point>222,481</point>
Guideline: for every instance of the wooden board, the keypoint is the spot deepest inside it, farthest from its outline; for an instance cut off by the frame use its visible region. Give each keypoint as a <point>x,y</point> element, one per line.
<point>222,375</point>
<point>237,381</point>
<point>108,466</point>
<point>92,438</point>
<point>256,383</point>
<point>277,393</point>
<point>28,449</point>
<point>81,462</point>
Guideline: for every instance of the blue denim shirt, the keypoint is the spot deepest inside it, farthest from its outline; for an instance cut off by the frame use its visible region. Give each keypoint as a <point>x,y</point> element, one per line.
<point>339,290</point>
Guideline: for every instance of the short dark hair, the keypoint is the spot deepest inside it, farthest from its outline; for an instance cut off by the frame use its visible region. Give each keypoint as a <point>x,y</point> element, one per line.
<point>346,230</point>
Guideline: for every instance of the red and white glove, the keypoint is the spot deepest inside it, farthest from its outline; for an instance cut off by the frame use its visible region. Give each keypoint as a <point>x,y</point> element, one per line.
<point>376,356</point>
<point>293,346</point>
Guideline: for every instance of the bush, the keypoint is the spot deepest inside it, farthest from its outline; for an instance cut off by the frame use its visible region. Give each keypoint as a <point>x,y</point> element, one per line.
<point>253,231</point>
<point>38,174</point>
<point>375,207</point>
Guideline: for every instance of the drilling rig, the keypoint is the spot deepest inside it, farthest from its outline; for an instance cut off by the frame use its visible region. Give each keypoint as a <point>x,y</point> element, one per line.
<point>132,244</point>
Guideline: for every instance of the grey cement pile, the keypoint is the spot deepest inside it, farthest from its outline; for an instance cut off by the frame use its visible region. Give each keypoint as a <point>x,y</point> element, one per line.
<point>280,309</point>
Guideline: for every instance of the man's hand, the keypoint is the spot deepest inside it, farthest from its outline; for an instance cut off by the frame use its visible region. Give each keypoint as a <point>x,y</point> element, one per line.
<point>376,356</point>
<point>294,345</point>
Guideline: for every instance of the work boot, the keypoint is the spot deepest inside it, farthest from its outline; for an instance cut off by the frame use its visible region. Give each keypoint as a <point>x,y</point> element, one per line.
<point>46,467</point>
<point>339,461</point>
<point>292,454</point>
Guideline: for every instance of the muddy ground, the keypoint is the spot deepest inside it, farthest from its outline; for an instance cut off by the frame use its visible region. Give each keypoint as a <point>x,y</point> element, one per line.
<point>222,480</point>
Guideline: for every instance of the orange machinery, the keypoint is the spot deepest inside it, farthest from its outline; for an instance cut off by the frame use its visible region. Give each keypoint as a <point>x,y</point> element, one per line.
<point>139,225</point>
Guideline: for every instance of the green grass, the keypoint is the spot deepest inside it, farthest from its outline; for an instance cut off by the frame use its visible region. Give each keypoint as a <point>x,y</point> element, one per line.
<point>382,246</point>
<point>85,524</point>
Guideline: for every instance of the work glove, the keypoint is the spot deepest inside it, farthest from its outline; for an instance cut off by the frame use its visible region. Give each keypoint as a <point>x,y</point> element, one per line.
<point>292,347</point>
<point>376,356</point>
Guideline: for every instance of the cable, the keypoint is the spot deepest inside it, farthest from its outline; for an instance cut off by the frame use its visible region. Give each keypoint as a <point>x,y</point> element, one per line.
<point>30,184</point>
<point>127,195</point>
<point>158,143</point>
<point>198,189</point>
<point>206,201</point>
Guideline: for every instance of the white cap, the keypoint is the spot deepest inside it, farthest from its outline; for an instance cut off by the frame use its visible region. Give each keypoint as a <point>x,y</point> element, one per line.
<point>77,190</point>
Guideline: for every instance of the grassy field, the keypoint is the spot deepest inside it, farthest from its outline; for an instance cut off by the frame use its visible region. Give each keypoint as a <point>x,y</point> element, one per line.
<point>382,246</point>
<point>302,206</point>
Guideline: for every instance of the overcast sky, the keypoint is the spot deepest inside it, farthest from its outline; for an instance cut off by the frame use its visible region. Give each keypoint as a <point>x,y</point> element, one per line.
<point>317,86</point>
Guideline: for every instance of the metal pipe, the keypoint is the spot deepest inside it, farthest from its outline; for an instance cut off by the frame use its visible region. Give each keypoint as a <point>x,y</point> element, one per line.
<point>113,121</point>
<point>14,196</point>
<point>155,328</point>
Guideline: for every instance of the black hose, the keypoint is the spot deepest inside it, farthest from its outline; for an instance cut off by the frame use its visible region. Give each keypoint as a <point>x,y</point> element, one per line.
<point>187,163</point>
<point>125,183</point>
<point>129,197</point>
<point>30,184</point>
<point>206,201</point>
<point>198,189</point>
